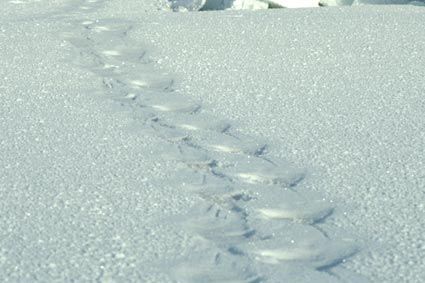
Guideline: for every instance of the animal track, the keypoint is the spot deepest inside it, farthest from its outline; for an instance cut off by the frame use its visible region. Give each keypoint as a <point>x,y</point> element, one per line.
<point>200,123</point>
<point>250,220</point>
<point>164,102</point>
<point>275,202</point>
<point>293,242</point>
<point>251,169</point>
<point>224,143</point>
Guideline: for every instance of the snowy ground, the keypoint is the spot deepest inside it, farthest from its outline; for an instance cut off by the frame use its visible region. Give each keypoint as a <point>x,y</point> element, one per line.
<point>267,146</point>
<point>332,89</point>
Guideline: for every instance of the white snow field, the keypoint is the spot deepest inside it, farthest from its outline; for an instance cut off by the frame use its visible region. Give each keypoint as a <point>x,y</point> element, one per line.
<point>140,145</point>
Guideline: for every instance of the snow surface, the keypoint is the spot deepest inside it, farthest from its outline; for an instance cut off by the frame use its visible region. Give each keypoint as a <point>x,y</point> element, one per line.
<point>151,146</point>
<point>81,197</point>
<point>338,90</point>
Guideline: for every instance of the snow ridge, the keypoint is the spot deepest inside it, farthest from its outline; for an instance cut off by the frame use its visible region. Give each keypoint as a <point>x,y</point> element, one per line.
<point>251,222</point>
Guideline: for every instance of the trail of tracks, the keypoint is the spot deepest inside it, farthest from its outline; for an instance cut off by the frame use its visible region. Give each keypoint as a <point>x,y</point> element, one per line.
<point>253,225</point>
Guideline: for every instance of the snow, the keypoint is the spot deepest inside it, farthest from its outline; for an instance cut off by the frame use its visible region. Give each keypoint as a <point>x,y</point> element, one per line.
<point>80,193</point>
<point>203,5</point>
<point>148,146</point>
<point>331,89</point>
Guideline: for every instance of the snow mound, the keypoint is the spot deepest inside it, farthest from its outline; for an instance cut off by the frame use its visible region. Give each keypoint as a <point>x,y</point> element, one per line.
<point>369,2</point>
<point>204,5</point>
<point>196,5</point>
